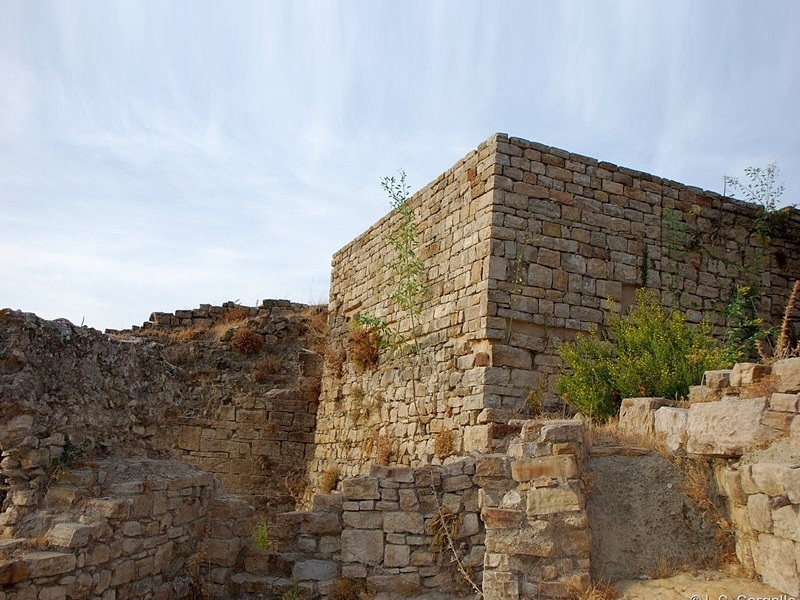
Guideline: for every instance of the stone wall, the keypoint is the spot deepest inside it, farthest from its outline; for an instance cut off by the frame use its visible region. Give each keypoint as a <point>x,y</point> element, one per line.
<point>748,419</point>
<point>573,237</point>
<point>126,529</point>
<point>524,246</point>
<point>517,520</point>
<point>248,418</point>
<point>400,408</point>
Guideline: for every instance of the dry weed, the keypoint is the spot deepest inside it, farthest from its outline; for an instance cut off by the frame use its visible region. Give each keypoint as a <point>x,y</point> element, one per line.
<point>296,483</point>
<point>597,591</point>
<point>442,525</point>
<point>349,588</point>
<point>759,388</point>
<point>383,451</point>
<point>335,358</point>
<point>187,334</point>
<point>236,314</point>
<point>364,348</point>
<point>443,444</point>
<point>266,367</point>
<point>247,341</point>
<point>328,480</point>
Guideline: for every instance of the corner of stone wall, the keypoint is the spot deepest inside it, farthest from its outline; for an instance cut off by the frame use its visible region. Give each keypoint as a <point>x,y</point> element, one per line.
<point>533,505</point>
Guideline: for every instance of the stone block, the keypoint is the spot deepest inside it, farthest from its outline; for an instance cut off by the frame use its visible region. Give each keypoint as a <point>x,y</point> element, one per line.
<point>787,375</point>
<point>46,564</point>
<point>396,556</point>
<point>717,380</point>
<point>759,513</point>
<point>403,522</point>
<point>319,523</point>
<point>500,585</point>
<point>727,428</point>
<point>470,525</point>
<point>746,373</point>
<point>791,484</point>
<point>786,522</point>
<point>362,546</point>
<point>729,483</point>
<point>363,520</point>
<point>775,562</point>
<point>361,488</point>
<point>315,570</point>
<point>562,431</point>
<point>784,402</point>
<point>769,478</point>
<point>544,501</point>
<point>536,540</point>
<point>637,415</point>
<point>670,425</point>
<point>12,571</point>
<point>69,535</point>
<point>701,393</point>
<point>502,518</point>
<point>561,466</point>
<point>493,465</point>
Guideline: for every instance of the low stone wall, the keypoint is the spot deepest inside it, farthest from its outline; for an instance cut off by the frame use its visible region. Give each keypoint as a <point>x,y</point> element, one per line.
<point>126,529</point>
<point>750,417</point>
<point>533,506</point>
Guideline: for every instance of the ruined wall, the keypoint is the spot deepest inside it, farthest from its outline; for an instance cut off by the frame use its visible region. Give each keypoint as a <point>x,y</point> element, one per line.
<point>398,410</point>
<point>748,420</point>
<point>248,418</point>
<point>524,246</point>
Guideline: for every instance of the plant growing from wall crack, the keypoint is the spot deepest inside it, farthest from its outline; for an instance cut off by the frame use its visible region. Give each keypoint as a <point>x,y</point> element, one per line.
<point>407,268</point>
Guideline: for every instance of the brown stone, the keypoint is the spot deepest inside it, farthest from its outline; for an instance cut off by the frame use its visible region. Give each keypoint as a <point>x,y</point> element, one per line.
<point>526,469</point>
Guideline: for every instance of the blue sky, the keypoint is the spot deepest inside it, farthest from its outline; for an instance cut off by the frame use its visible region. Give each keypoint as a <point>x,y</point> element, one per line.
<point>160,155</point>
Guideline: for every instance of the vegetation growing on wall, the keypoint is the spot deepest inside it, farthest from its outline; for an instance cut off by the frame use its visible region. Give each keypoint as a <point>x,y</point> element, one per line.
<point>647,352</point>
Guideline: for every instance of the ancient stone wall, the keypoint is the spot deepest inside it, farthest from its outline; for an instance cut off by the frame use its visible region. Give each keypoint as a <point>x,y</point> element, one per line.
<point>247,417</point>
<point>524,246</point>
<point>573,237</point>
<point>750,417</point>
<point>395,412</point>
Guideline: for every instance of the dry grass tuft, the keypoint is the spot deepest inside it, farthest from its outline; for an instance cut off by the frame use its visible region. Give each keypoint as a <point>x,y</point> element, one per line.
<point>335,358</point>
<point>328,480</point>
<point>383,451</point>
<point>247,341</point>
<point>364,348</point>
<point>349,588</point>
<point>236,314</point>
<point>759,388</point>
<point>445,523</point>
<point>266,367</point>
<point>187,334</point>
<point>597,591</point>
<point>443,444</point>
<point>296,483</point>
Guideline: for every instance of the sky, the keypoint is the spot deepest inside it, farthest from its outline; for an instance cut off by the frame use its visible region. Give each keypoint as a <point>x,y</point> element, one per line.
<point>156,156</point>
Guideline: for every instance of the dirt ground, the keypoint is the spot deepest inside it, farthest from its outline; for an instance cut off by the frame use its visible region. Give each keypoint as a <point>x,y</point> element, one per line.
<point>643,524</point>
<point>703,585</point>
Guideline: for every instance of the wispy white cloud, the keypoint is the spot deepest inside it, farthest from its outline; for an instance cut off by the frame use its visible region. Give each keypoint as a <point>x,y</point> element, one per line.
<point>156,157</point>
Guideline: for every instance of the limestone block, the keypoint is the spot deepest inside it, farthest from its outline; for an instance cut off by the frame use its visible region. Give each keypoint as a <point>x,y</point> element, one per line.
<point>746,373</point>
<point>787,374</point>
<point>319,523</point>
<point>315,570</point>
<point>493,465</point>
<point>562,431</point>
<point>396,555</point>
<point>637,415</point>
<point>758,513</point>
<point>69,535</point>
<point>403,522</point>
<point>769,478</point>
<point>717,380</point>
<point>544,501</point>
<point>786,522</point>
<point>670,424</point>
<point>791,484</point>
<point>53,592</point>
<point>526,469</point>
<point>500,585</point>
<point>13,431</point>
<point>12,571</point>
<point>784,402</point>
<point>775,562</point>
<point>727,428</point>
<point>729,483</point>
<point>363,520</point>
<point>361,488</point>
<point>362,546</point>
<point>527,541</point>
<point>509,356</point>
<point>45,564</point>
<point>701,393</point>
<point>470,525</point>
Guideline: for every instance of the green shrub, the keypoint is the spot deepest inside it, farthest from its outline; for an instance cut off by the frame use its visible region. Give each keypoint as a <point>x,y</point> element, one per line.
<point>647,352</point>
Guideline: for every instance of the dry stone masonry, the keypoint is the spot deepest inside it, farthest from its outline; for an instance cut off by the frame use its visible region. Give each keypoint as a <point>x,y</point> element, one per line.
<point>524,245</point>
